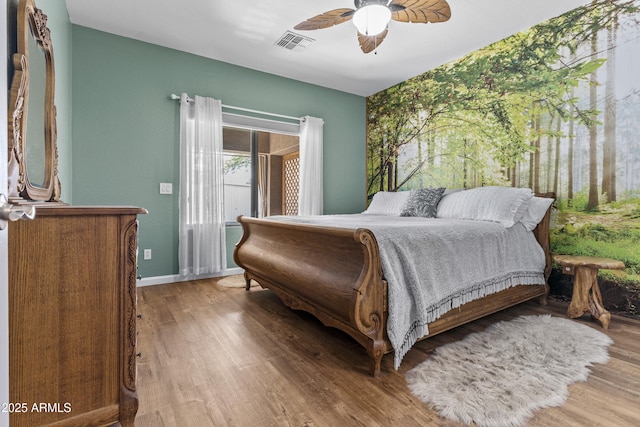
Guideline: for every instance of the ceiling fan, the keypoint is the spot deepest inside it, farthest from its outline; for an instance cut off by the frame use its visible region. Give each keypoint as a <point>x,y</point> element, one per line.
<point>372,16</point>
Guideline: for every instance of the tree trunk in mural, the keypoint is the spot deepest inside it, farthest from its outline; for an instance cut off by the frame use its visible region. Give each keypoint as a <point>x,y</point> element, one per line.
<point>419,140</point>
<point>549,174</point>
<point>395,170</point>
<point>532,143</point>
<point>556,166</point>
<point>536,155</point>
<point>571,141</point>
<point>431,148</point>
<point>465,175</point>
<point>609,146</point>
<point>593,130</point>
<point>382,167</point>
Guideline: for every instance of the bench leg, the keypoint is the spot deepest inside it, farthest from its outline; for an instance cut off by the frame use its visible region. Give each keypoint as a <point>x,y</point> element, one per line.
<point>586,296</point>
<point>596,308</point>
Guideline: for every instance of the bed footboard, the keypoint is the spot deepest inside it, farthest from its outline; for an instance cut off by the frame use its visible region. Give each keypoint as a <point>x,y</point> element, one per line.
<point>335,274</point>
<point>332,273</point>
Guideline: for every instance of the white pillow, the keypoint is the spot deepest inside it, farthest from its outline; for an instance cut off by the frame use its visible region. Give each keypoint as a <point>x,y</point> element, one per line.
<point>536,209</point>
<point>505,205</point>
<point>390,203</point>
<point>449,191</point>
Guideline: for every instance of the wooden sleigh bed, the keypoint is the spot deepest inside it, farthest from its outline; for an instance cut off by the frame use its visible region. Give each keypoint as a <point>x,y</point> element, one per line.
<point>336,275</point>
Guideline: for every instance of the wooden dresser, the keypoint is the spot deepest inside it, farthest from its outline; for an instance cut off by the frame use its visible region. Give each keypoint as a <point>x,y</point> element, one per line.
<point>72,316</point>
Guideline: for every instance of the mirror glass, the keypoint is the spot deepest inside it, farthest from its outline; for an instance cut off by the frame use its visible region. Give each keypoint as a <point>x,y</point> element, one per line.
<point>35,138</point>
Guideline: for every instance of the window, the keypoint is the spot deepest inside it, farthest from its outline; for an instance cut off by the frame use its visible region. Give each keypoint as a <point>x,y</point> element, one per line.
<point>237,185</point>
<point>258,178</point>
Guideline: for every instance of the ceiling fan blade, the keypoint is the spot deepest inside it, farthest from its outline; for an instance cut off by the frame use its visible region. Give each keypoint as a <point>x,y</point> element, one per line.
<point>421,11</point>
<point>370,43</point>
<point>326,20</point>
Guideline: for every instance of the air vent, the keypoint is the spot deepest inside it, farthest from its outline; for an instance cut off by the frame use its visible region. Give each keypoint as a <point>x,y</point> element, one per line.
<point>293,41</point>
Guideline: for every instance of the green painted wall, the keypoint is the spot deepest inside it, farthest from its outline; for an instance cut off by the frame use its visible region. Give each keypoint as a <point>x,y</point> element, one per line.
<point>126,129</point>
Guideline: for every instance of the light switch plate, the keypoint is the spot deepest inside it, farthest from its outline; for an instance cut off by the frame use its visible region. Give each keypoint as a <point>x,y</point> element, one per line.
<point>146,254</point>
<point>166,188</point>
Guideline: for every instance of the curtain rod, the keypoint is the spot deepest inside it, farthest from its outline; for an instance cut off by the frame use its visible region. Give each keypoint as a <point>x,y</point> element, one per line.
<point>231,107</point>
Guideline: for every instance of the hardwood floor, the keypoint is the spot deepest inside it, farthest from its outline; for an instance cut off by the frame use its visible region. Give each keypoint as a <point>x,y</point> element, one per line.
<point>218,356</point>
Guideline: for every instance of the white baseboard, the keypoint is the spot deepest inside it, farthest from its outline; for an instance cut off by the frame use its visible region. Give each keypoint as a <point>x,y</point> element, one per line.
<point>172,278</point>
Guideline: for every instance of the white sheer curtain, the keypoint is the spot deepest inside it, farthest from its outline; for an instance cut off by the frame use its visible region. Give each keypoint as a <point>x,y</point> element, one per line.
<point>311,191</point>
<point>202,245</point>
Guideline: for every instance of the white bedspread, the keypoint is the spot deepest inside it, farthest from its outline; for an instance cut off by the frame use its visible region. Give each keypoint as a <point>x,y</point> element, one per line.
<point>433,265</point>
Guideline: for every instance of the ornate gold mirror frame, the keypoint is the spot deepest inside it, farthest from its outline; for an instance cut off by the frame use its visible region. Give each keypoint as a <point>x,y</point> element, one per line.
<point>39,154</point>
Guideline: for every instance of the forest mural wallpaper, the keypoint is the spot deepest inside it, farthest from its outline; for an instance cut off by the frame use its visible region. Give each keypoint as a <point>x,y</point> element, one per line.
<point>555,108</point>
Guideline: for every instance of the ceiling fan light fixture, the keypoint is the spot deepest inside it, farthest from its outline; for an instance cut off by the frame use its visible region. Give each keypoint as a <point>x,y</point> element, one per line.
<point>372,19</point>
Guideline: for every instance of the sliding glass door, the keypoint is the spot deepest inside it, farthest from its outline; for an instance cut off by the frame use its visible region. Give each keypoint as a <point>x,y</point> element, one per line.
<point>258,178</point>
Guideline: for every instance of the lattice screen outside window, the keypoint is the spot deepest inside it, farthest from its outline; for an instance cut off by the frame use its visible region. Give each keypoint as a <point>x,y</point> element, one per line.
<point>290,183</point>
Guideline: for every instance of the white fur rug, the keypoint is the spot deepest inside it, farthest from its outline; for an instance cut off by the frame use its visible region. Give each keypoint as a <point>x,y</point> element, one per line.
<point>500,376</point>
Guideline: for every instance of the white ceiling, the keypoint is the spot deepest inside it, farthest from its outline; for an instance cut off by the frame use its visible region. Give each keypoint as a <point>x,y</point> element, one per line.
<point>243,32</point>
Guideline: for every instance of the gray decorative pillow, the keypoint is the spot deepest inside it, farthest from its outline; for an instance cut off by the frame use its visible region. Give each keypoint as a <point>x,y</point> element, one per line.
<point>423,202</point>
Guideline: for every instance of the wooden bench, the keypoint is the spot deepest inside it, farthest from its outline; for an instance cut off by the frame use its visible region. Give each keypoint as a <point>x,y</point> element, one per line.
<point>586,292</point>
